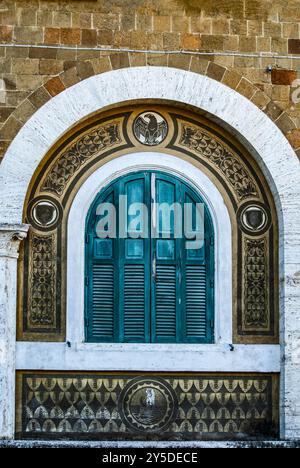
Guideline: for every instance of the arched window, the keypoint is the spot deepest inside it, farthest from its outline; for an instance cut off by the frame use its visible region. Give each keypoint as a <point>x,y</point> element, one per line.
<point>149,263</point>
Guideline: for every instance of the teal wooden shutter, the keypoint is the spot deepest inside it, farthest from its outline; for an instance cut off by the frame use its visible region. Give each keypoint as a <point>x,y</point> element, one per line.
<point>134,261</point>
<point>197,289</point>
<point>144,285</point>
<point>101,269</point>
<point>182,287</point>
<point>165,292</point>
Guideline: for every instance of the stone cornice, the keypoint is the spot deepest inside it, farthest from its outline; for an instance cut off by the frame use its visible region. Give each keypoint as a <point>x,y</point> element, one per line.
<point>10,237</point>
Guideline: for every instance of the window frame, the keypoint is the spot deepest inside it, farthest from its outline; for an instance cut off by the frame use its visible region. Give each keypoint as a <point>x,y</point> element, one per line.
<point>182,189</point>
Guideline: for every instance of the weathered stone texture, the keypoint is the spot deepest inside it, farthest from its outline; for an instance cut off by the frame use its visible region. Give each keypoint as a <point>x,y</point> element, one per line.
<point>208,26</point>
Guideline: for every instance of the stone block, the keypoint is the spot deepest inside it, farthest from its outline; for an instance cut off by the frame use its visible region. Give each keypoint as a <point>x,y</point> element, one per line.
<point>283,77</point>
<point>51,67</point>
<point>180,24</point>
<point>25,66</point>
<point>28,35</point>
<point>54,86</point>
<point>246,88</point>
<point>89,37</point>
<point>39,97</point>
<point>190,42</point>
<point>71,36</point>
<point>52,36</point>
<point>62,19</point>
<point>162,23</point>
<point>215,71</point>
<point>294,46</point>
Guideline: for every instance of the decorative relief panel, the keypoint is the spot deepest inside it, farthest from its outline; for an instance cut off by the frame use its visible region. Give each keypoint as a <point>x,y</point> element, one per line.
<point>224,160</point>
<point>132,406</point>
<point>255,278</point>
<point>256,284</point>
<point>42,286</point>
<point>70,161</point>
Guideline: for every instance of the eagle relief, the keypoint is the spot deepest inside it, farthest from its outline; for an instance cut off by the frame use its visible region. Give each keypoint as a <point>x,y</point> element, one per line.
<point>150,128</point>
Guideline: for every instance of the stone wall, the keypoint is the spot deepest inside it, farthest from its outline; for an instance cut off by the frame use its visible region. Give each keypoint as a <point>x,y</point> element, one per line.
<point>234,28</point>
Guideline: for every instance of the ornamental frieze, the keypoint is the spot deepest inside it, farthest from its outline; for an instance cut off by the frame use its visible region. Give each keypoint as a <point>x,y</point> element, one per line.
<point>77,405</point>
<point>224,160</point>
<point>70,161</point>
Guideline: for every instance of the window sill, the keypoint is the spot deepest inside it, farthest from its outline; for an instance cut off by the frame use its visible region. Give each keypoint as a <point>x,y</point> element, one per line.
<point>148,357</point>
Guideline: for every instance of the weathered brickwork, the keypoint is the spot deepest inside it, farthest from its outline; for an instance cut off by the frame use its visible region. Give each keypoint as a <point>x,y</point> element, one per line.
<point>236,28</point>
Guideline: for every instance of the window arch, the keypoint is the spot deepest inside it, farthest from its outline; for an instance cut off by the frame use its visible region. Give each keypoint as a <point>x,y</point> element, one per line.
<point>149,282</point>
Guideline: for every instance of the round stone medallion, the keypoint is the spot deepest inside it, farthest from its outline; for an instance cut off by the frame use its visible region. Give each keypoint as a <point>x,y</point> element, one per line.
<point>150,128</point>
<point>148,405</point>
<point>44,213</point>
<point>254,218</point>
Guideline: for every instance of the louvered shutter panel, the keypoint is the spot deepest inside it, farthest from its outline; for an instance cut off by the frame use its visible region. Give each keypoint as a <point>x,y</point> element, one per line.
<point>195,302</point>
<point>134,266</point>
<point>134,303</point>
<point>101,321</point>
<point>165,303</point>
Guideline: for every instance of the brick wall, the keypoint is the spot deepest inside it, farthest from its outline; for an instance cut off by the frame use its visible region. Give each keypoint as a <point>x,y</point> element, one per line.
<point>238,26</point>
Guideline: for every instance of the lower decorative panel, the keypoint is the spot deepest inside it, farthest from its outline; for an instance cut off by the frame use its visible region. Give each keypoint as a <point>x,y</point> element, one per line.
<point>56,405</point>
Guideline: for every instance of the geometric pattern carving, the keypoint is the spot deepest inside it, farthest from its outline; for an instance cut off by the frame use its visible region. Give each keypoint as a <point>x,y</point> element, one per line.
<point>256,309</point>
<point>42,282</point>
<point>205,405</point>
<point>80,152</point>
<point>230,166</point>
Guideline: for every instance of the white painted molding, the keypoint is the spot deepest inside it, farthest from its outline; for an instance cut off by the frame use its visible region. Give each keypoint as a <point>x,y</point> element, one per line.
<point>76,231</point>
<point>147,358</point>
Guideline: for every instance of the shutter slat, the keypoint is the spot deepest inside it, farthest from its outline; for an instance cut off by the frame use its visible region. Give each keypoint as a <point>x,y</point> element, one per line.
<point>102,322</point>
<point>196,315</point>
<point>134,302</point>
<point>165,302</point>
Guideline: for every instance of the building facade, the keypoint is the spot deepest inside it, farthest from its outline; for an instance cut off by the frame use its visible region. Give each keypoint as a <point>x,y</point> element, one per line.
<point>137,328</point>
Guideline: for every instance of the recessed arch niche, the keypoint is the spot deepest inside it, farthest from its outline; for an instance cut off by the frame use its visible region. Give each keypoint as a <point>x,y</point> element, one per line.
<point>187,135</point>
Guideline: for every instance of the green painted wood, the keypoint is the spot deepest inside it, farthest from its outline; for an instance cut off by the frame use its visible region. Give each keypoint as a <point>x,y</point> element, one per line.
<point>145,286</point>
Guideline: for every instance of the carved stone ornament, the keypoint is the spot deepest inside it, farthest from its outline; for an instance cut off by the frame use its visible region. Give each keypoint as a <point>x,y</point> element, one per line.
<point>150,128</point>
<point>44,213</point>
<point>10,238</point>
<point>255,283</point>
<point>227,163</point>
<point>254,218</point>
<point>81,151</point>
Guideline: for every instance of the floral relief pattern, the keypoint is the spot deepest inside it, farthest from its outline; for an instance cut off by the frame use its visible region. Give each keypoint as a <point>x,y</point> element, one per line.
<point>81,151</point>
<point>256,284</point>
<point>209,148</point>
<point>42,282</point>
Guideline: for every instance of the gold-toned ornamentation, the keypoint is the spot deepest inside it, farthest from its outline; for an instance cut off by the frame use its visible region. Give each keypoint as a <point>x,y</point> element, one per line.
<point>256,311</point>
<point>78,154</point>
<point>42,282</point>
<point>221,157</point>
<point>100,406</point>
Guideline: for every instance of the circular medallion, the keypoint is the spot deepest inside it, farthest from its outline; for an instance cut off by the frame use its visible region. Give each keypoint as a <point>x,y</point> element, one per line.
<point>254,218</point>
<point>44,213</point>
<point>150,128</point>
<point>148,405</point>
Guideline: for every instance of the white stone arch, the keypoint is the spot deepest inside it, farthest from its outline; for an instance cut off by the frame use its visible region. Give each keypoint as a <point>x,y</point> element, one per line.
<point>263,138</point>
